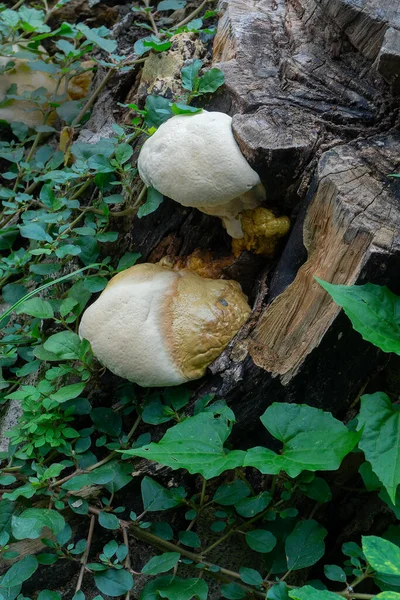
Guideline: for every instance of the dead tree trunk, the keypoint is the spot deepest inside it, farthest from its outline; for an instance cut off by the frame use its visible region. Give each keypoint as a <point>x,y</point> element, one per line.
<point>311,86</point>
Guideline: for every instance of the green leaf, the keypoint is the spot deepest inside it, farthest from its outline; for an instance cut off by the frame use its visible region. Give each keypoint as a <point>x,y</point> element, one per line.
<point>161,564</point>
<point>12,292</point>
<point>177,397</point>
<point>128,260</point>
<point>156,44</point>
<point>183,109</point>
<point>68,392</point>
<point>171,4</point>
<point>65,345</point>
<point>30,523</point>
<point>7,479</point>
<point>36,307</point>
<point>313,440</point>
<point>261,540</point>
<point>49,595</point>
<point>250,576</point>
<point>19,572</point>
<point>189,538</point>
<point>379,425</point>
<point>154,199</point>
<point>33,231</point>
<point>108,520</point>
<point>190,74</point>
<point>175,588</point>
<point>230,493</point>
<point>388,596</point>
<point>318,490</point>
<point>107,421</point>
<point>156,497</point>
<point>382,555</point>
<point>279,591</point>
<point>335,573</point>
<point>232,591</point>
<point>93,36</point>
<point>211,81</point>
<point>310,593</point>
<point>53,471</point>
<point>373,310</point>
<point>158,110</point>
<point>249,507</point>
<point>182,447</point>
<point>305,545</point>
<point>123,152</point>
<point>113,583</point>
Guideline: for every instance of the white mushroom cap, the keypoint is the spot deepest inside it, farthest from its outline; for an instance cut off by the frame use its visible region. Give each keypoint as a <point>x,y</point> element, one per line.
<point>196,161</point>
<point>159,327</point>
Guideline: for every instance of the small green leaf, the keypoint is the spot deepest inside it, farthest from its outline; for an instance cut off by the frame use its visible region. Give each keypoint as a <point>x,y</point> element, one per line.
<point>123,152</point>
<point>171,4</point>
<point>33,231</point>
<point>231,493</point>
<point>250,576</point>
<point>211,81</point>
<point>305,545</point>
<point>68,392</point>
<point>108,520</point>
<point>261,540</point>
<point>232,591</point>
<point>30,523</point>
<point>49,595</point>
<point>107,421</point>
<point>175,588</point>
<point>36,307</point>
<point>279,591</point>
<point>249,507</point>
<point>335,573</point>
<point>128,260</point>
<point>154,199</point>
<point>161,564</point>
<point>190,74</point>
<point>114,583</point>
<point>156,497</point>
<point>65,345</point>
<point>19,572</point>
<point>189,538</point>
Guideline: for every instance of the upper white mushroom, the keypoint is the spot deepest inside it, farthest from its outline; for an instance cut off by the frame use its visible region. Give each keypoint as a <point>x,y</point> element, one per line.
<point>160,327</point>
<point>196,161</point>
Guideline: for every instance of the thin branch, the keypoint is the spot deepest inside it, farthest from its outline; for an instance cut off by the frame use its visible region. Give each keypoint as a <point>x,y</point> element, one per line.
<point>192,14</point>
<point>85,555</point>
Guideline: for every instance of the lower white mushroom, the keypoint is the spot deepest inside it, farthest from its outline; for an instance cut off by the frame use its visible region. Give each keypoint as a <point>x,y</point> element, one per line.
<point>196,161</point>
<point>159,327</point>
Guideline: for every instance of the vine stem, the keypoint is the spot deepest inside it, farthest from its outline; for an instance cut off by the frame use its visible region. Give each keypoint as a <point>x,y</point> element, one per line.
<point>102,462</point>
<point>192,14</point>
<point>157,542</point>
<point>85,556</point>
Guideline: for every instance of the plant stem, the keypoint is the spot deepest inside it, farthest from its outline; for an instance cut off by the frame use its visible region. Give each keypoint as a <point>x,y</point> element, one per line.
<point>102,462</point>
<point>192,14</point>
<point>92,98</point>
<point>85,555</point>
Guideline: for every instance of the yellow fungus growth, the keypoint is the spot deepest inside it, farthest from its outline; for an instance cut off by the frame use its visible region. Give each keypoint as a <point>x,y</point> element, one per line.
<point>262,231</point>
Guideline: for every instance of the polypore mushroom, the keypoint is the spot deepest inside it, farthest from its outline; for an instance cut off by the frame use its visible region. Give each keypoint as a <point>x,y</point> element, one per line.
<point>29,80</point>
<point>159,327</point>
<point>196,161</point>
